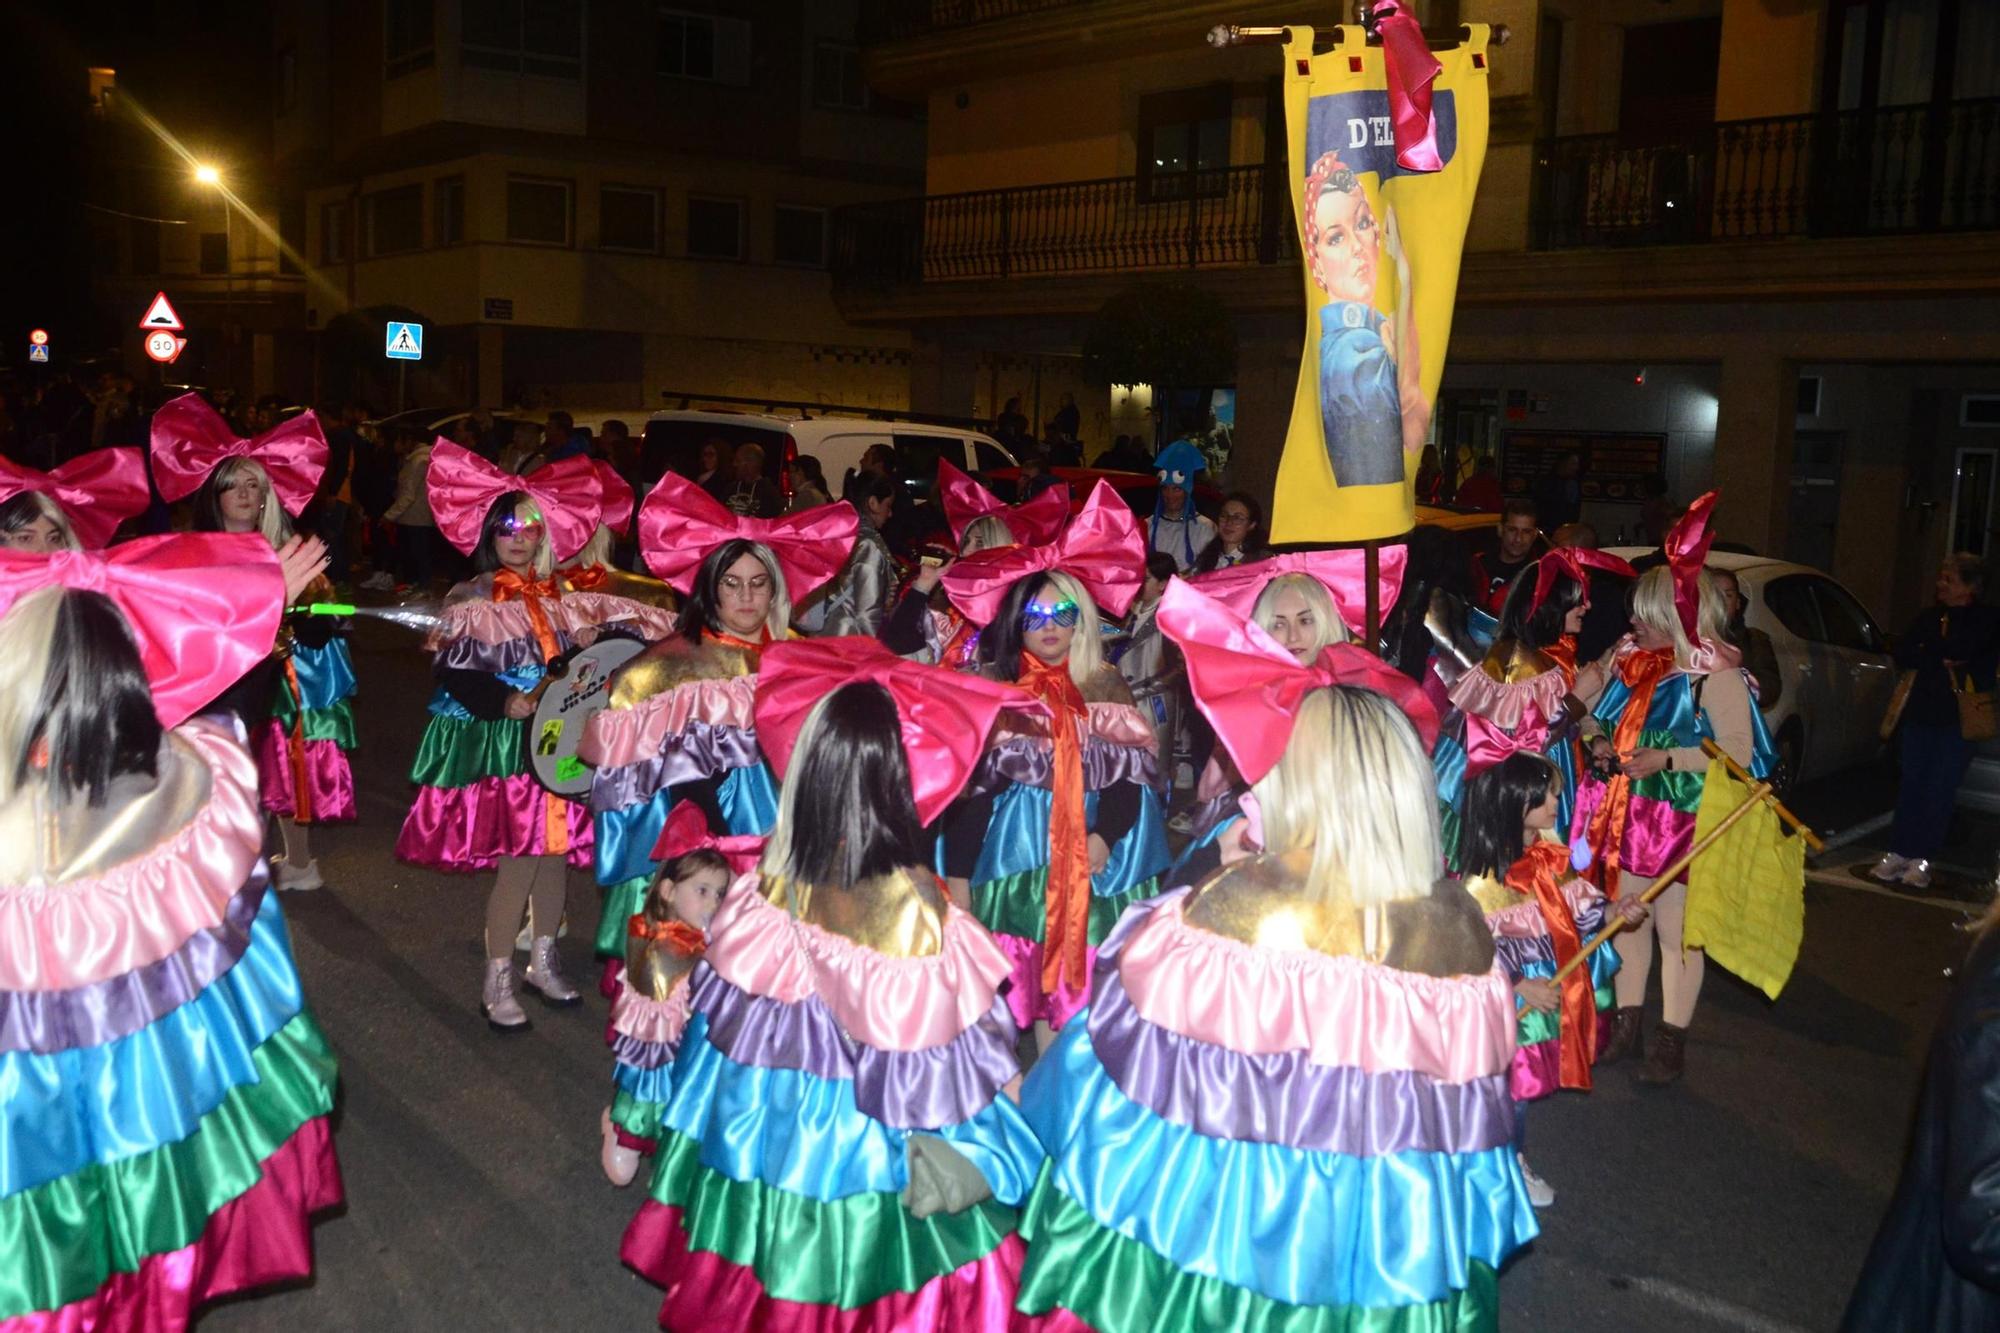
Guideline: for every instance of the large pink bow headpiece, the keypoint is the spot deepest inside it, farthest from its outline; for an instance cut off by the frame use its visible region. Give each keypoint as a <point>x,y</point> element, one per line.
<point>1686,549</point>
<point>1035,523</point>
<point>1250,689</point>
<point>681,525</point>
<point>1577,562</point>
<point>1345,574</point>
<point>686,830</point>
<point>945,715</point>
<point>1101,549</point>
<point>190,439</point>
<point>464,486</point>
<point>618,498</point>
<point>203,606</point>
<point>97,491</point>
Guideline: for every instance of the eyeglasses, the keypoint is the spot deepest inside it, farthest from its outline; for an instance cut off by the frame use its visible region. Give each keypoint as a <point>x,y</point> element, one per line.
<point>510,527</point>
<point>1036,615</point>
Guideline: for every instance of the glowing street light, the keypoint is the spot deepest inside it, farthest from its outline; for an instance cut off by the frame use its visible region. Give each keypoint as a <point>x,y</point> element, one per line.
<point>207,175</point>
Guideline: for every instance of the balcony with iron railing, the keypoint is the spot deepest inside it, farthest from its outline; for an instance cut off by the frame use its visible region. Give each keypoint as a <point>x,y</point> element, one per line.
<point>897,20</point>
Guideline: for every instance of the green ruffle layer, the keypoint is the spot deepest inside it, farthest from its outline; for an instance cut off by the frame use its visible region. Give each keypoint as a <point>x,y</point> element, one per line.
<point>622,902</point>
<point>1018,905</point>
<point>635,1117</point>
<point>846,1254</point>
<point>1117,1285</point>
<point>63,1239</point>
<point>457,752</point>
<point>334,724</point>
<point>1679,788</point>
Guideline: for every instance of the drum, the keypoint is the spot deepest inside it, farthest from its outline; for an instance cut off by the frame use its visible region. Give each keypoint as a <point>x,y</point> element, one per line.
<point>579,685</point>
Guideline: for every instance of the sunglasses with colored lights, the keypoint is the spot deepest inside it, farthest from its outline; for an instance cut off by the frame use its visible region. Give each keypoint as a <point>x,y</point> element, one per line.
<point>1063,614</point>
<point>514,527</point>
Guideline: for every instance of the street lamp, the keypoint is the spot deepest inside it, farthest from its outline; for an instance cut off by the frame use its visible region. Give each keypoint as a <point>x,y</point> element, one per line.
<point>204,174</point>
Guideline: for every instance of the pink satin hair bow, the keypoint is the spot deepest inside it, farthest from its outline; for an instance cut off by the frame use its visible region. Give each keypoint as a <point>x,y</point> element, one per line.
<point>202,606</point>
<point>1036,523</point>
<point>1686,549</point>
<point>686,830</point>
<point>97,491</point>
<point>1101,549</point>
<point>680,525</point>
<point>1577,562</point>
<point>618,498</point>
<point>464,486</point>
<point>1342,572</point>
<point>190,439</point>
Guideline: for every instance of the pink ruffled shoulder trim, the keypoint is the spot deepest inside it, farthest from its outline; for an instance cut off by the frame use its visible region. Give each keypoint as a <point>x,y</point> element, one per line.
<point>891,1004</point>
<point>58,936</point>
<point>1510,705</point>
<point>644,1018</point>
<point>615,737</point>
<point>1121,724</point>
<point>497,622</point>
<point>1337,1010</point>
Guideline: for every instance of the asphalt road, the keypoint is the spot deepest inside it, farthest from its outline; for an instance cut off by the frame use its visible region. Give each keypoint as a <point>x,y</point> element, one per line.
<point>1744,1198</point>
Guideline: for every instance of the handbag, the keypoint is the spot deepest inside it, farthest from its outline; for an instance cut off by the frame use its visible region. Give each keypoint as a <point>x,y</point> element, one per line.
<point>1897,699</point>
<point>1975,712</point>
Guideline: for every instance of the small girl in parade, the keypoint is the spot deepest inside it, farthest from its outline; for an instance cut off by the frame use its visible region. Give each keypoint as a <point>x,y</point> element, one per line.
<point>1540,914</point>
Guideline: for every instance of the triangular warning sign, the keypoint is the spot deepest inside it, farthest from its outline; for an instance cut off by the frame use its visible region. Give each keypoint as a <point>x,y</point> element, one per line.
<point>160,315</point>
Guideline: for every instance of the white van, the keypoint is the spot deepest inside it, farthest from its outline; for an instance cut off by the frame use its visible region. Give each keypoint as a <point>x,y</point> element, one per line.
<point>674,439</point>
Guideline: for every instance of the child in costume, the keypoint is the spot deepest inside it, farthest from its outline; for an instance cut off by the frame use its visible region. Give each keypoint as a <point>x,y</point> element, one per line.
<point>1529,691</point>
<point>75,507</point>
<point>1540,914</point>
<point>1061,827</point>
<point>678,725</point>
<point>1360,1171</point>
<point>839,1150</point>
<point>165,1119</point>
<point>1676,681</point>
<point>298,708</point>
<point>478,807</point>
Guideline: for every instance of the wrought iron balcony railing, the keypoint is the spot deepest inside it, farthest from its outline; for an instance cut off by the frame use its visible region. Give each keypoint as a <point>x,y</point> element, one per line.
<point>894,20</point>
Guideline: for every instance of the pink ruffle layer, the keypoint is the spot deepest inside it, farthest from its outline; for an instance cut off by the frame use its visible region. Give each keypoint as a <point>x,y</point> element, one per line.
<point>617,737</point>
<point>1523,920</point>
<point>1656,834</point>
<point>891,1004</point>
<point>707,1292</point>
<point>644,1018</point>
<point>1536,1072</point>
<point>58,936</point>
<point>1119,724</point>
<point>1534,700</point>
<point>498,622</point>
<point>329,777</point>
<point>262,1236</point>
<point>1026,999</point>
<point>1340,1011</point>
<point>470,828</point>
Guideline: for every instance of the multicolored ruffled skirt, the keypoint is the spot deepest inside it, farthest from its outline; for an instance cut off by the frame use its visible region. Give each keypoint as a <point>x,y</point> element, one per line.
<point>807,1066</point>
<point>302,765</point>
<point>166,1089</point>
<point>1524,950</point>
<point>1358,1175</point>
<point>644,1035</point>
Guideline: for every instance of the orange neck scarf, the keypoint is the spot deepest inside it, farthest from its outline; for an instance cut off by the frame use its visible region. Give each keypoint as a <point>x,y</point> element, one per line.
<point>680,939</point>
<point>754,647</point>
<point>1563,653</point>
<point>1642,671</point>
<point>586,578</point>
<point>507,587</point>
<point>1540,874</point>
<point>1066,930</point>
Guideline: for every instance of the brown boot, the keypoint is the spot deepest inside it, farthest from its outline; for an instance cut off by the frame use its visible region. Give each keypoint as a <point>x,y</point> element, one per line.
<point>1663,1065</point>
<point>1623,1038</point>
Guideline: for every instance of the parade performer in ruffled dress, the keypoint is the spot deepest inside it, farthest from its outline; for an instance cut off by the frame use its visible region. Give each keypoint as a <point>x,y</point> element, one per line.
<point>478,806</point>
<point>1061,828</point>
<point>298,708</point>
<point>678,726</point>
<point>840,1150</point>
<point>166,1090</point>
<point>1287,1105</point>
<point>1529,692</point>
<point>1675,682</point>
<point>74,507</point>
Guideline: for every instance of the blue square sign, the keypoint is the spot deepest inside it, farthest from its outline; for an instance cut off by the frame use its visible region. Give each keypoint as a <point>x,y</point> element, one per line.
<point>405,342</point>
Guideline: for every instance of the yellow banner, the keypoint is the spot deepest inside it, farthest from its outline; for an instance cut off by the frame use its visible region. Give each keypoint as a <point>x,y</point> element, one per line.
<point>1746,899</point>
<point>1381,248</point>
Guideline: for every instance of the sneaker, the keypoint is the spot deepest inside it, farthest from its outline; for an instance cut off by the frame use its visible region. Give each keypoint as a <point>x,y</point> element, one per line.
<point>299,879</point>
<point>1889,869</point>
<point>1540,1192</point>
<point>381,582</point>
<point>1916,874</point>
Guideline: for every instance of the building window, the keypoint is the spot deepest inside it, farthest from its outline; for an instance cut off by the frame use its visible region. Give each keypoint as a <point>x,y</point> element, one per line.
<point>392,221</point>
<point>215,252</point>
<point>542,37</point>
<point>800,236</point>
<point>448,210</point>
<point>538,211</point>
<point>333,233</point>
<point>702,46</point>
<point>628,218</point>
<point>837,78</point>
<point>1183,143</point>
<point>408,40</point>
<point>715,228</point>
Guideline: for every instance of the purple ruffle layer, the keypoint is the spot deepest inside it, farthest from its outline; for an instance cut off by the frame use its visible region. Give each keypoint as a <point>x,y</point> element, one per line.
<point>702,751</point>
<point>1023,760</point>
<point>1286,1099</point>
<point>49,1022</point>
<point>941,1085</point>
<point>469,654</point>
<point>629,1050</point>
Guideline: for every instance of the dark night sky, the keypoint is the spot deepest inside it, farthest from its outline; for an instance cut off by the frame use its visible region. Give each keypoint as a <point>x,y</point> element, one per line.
<point>202,66</point>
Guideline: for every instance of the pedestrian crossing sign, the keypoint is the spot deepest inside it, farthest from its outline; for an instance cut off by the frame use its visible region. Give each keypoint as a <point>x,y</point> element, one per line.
<point>405,342</point>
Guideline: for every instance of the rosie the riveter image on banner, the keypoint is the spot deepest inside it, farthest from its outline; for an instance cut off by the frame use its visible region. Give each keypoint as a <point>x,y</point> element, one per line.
<point>1381,248</point>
